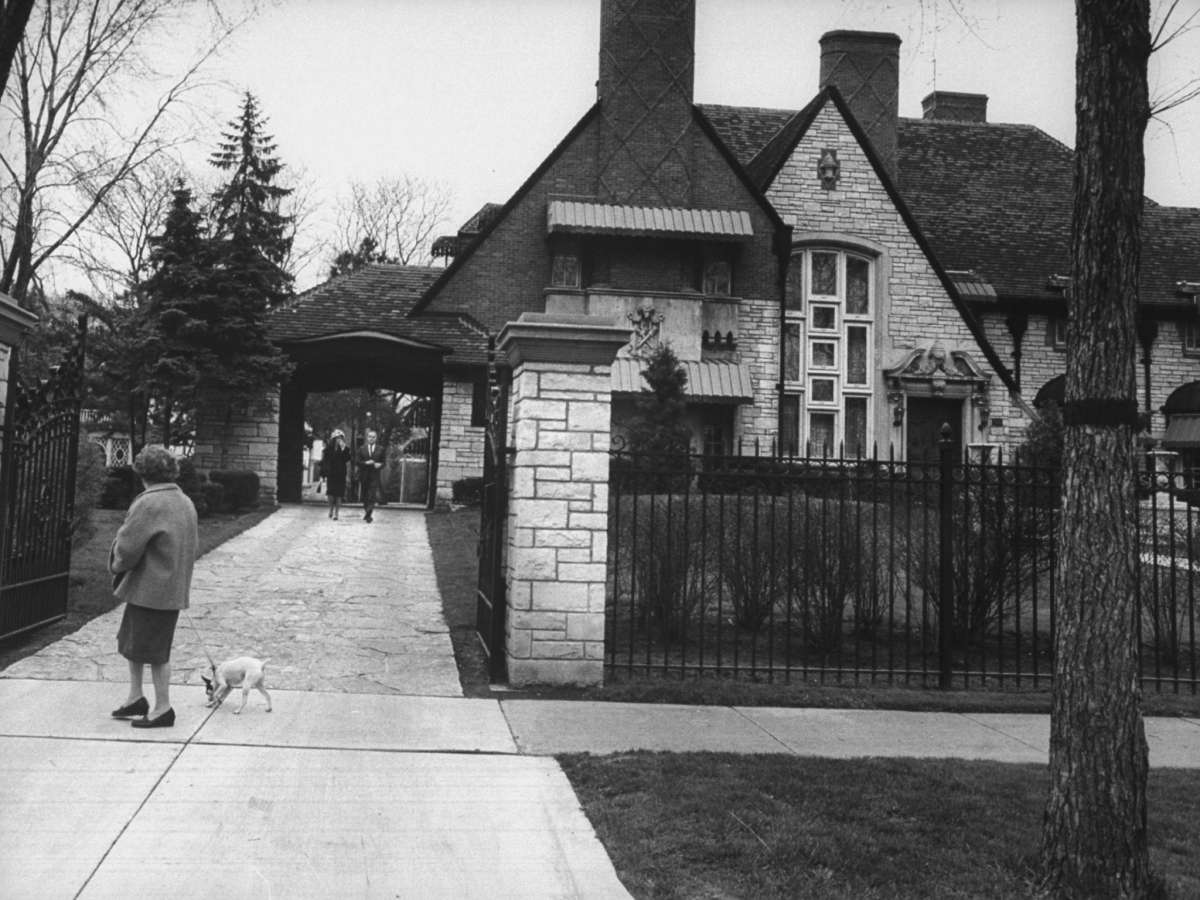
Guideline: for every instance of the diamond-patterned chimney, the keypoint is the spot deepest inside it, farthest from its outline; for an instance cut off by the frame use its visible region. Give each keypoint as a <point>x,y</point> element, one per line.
<point>647,51</point>
<point>865,68</point>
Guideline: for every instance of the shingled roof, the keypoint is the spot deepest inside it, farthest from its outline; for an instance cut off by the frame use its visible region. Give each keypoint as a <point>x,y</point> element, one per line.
<point>991,198</point>
<point>377,297</point>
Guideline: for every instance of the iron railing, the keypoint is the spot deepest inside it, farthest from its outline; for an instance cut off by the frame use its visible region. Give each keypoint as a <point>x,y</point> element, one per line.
<point>868,570</point>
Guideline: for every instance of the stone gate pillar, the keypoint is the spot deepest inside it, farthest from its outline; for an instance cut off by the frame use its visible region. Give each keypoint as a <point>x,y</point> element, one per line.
<point>557,530</point>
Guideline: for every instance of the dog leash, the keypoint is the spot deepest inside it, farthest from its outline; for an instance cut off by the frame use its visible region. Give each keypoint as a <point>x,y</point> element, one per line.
<point>200,637</point>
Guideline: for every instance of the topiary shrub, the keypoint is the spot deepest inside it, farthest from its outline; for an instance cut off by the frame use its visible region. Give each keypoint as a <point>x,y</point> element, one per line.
<point>241,486</point>
<point>213,499</point>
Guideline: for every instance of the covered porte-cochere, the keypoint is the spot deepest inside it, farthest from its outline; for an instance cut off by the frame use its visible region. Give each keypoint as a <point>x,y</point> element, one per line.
<point>364,359</point>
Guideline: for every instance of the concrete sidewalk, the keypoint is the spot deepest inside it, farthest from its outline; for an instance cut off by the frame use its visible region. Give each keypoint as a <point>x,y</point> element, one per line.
<point>373,776</point>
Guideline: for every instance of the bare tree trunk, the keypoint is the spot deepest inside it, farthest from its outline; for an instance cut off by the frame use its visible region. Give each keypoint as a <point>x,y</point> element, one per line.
<point>1094,833</point>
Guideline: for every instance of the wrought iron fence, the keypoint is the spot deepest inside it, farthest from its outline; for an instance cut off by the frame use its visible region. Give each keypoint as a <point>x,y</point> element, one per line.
<point>857,570</point>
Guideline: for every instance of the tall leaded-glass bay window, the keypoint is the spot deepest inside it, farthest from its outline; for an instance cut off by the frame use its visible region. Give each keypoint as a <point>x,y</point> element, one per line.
<point>828,355</point>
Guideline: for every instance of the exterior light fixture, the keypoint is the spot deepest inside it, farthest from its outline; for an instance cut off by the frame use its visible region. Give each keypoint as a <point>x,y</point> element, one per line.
<point>829,170</point>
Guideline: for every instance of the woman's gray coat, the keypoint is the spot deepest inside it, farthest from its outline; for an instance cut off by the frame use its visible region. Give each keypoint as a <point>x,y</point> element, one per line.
<point>155,549</point>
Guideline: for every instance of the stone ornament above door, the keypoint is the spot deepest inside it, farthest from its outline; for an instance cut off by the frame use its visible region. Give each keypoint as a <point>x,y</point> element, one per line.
<point>934,371</point>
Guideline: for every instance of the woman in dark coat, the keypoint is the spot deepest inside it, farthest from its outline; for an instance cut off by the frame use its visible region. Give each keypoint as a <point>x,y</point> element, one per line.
<point>334,462</point>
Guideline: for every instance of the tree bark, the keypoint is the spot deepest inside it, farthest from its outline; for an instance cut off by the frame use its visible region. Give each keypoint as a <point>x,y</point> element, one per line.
<point>1094,833</point>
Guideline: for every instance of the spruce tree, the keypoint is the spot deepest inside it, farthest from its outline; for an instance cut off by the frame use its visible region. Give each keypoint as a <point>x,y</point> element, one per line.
<point>250,243</point>
<point>179,352</point>
<point>659,436</point>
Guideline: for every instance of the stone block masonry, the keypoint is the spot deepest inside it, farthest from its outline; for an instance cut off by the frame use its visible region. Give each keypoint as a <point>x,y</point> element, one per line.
<point>557,529</point>
<point>241,436</point>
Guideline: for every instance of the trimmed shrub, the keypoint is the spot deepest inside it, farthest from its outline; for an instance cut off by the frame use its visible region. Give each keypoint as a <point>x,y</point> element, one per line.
<point>121,485</point>
<point>213,499</point>
<point>468,491</point>
<point>241,486</point>
<point>90,477</point>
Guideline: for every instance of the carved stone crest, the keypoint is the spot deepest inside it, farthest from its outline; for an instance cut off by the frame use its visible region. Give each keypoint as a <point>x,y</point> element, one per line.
<point>647,331</point>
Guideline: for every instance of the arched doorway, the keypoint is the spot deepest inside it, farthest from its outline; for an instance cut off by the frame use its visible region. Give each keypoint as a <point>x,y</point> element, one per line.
<point>365,360</point>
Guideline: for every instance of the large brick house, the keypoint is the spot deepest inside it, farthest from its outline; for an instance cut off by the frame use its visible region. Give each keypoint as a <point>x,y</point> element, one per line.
<point>835,279</point>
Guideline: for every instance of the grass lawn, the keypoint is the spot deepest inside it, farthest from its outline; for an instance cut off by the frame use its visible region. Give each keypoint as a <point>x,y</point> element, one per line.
<point>454,535</point>
<point>695,826</point>
<point>91,585</point>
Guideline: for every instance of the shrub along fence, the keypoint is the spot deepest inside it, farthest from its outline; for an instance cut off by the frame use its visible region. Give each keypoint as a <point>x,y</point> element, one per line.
<point>856,570</point>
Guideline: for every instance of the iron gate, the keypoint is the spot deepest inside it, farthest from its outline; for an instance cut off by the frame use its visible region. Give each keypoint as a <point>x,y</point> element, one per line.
<point>37,473</point>
<point>490,596</point>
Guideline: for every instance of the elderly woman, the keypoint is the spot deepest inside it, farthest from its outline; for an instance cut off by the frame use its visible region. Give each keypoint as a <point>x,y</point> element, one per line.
<point>151,560</point>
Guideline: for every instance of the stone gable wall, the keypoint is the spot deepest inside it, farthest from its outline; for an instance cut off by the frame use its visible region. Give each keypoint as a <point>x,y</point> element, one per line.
<point>913,309</point>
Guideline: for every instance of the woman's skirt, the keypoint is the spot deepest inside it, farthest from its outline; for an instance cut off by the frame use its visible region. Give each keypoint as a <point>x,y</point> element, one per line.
<point>145,634</point>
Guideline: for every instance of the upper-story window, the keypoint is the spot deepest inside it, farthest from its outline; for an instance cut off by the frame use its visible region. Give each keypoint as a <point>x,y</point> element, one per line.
<point>1191,338</point>
<point>564,270</point>
<point>1057,333</point>
<point>718,278</point>
<point>827,353</point>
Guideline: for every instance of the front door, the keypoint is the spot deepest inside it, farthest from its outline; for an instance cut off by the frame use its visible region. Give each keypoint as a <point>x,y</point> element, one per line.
<point>926,415</point>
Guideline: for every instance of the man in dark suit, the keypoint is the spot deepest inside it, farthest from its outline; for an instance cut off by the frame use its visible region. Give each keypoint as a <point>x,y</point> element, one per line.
<point>370,461</point>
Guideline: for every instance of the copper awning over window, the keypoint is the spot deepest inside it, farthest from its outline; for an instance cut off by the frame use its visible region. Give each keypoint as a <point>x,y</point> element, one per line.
<point>707,382</point>
<point>1183,431</point>
<point>574,217</point>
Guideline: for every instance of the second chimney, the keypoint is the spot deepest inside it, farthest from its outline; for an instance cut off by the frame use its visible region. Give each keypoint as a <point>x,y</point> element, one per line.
<point>955,107</point>
<point>865,68</point>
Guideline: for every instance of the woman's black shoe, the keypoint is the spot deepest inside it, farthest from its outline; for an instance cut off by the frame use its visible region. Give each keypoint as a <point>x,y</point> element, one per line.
<point>138,707</point>
<point>166,720</point>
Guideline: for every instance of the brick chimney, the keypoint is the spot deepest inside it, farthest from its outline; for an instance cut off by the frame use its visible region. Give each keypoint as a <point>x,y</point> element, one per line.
<point>647,53</point>
<point>955,107</point>
<point>865,68</point>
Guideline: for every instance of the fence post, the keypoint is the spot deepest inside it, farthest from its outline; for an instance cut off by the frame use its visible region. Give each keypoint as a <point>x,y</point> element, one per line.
<point>945,556</point>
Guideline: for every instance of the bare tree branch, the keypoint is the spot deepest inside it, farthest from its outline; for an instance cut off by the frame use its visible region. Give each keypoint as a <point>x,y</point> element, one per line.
<point>78,65</point>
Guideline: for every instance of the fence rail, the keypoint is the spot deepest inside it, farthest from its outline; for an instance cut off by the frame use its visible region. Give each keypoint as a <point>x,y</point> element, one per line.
<point>855,571</point>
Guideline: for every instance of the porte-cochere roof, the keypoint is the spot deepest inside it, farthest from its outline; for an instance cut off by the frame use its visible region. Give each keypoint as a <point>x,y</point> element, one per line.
<point>379,298</point>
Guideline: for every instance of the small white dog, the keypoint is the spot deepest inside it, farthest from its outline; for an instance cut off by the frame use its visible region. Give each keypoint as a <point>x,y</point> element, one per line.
<point>245,672</point>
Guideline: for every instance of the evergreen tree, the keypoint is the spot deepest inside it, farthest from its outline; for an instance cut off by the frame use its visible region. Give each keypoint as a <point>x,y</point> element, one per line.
<point>368,252</point>
<point>659,437</point>
<point>178,306</point>
<point>248,248</point>
<point>253,235</point>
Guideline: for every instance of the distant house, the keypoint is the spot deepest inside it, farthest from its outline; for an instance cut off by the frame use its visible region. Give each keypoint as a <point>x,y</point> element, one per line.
<point>835,279</point>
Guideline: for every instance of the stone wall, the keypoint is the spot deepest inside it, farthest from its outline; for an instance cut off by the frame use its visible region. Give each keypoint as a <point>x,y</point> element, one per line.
<point>241,436</point>
<point>460,450</point>
<point>913,308</point>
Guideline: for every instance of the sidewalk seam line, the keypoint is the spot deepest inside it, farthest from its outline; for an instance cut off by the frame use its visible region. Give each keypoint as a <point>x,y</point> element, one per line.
<point>763,729</point>
<point>142,805</point>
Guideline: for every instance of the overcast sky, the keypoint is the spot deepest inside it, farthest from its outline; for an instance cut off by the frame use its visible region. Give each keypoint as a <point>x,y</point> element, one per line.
<point>476,93</point>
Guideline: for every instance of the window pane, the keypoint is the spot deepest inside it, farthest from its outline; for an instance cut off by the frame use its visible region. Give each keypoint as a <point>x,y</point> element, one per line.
<point>565,271</point>
<point>856,355</point>
<point>824,354</point>
<point>858,286</point>
<point>791,352</point>
<point>789,424</point>
<point>717,278</point>
<point>822,390</point>
<point>856,426</point>
<point>820,434</point>
<point>794,290</point>
<point>824,274</point>
<point>824,317</point>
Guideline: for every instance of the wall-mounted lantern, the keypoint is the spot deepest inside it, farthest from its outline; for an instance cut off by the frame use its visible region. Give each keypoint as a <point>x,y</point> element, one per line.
<point>829,170</point>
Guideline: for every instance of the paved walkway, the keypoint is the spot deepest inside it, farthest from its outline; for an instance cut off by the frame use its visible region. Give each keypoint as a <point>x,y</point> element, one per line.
<point>373,777</point>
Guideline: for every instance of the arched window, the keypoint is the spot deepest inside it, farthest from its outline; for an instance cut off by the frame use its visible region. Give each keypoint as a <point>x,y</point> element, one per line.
<point>828,353</point>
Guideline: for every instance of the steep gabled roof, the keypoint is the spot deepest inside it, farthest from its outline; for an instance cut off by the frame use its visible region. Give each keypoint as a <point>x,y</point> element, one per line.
<point>992,198</point>
<point>379,296</point>
<point>495,216</point>
<point>768,160</point>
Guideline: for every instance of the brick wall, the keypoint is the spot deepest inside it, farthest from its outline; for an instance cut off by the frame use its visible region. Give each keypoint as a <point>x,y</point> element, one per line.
<point>913,309</point>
